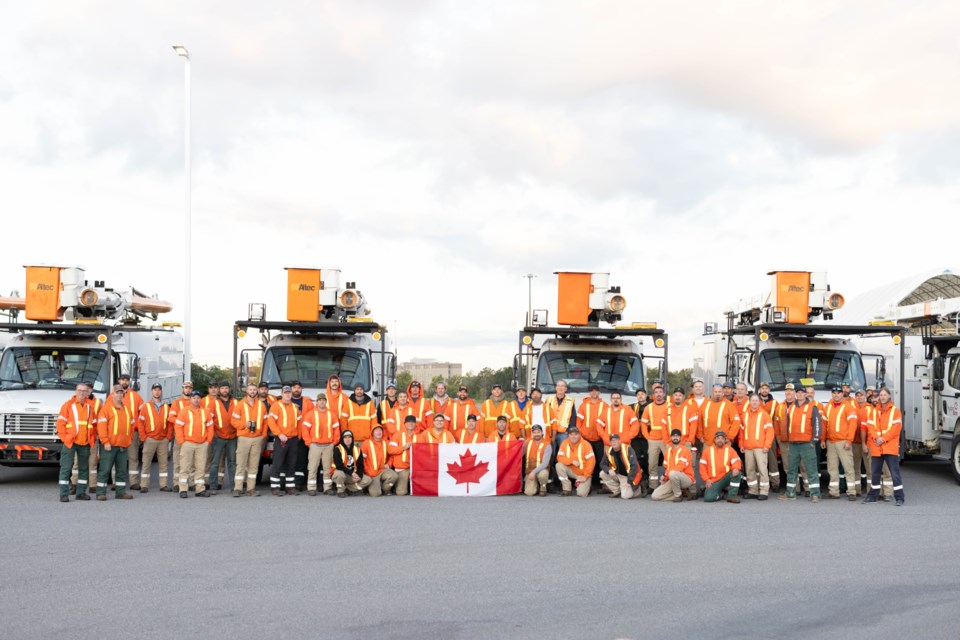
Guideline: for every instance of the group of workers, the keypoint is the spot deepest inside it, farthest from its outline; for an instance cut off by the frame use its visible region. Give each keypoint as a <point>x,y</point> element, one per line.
<point>344,443</point>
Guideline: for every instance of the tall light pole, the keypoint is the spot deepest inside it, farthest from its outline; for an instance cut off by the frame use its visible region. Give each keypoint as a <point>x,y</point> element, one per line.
<point>187,227</point>
<point>530,277</point>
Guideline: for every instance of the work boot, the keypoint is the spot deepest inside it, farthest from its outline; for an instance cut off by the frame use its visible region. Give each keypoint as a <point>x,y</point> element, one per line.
<point>869,500</point>
<point>252,493</point>
<point>543,490</point>
<point>166,489</point>
<point>851,498</point>
<point>83,496</point>
<point>101,498</point>
<point>899,503</point>
<point>643,492</point>
<point>341,494</point>
<point>330,492</point>
<point>815,499</point>
<point>219,486</point>
<point>786,496</point>
<point>691,494</point>
<point>144,490</point>
<point>64,498</point>
<point>184,494</point>
<point>885,498</point>
<point>213,493</point>
<point>356,493</point>
<point>614,495</point>
<point>135,486</point>
<point>564,493</point>
<point>237,493</point>
<point>292,492</point>
<point>677,498</point>
<point>734,499</point>
<point>73,490</point>
<point>204,494</point>
<point>275,492</point>
<point>92,489</point>
<point>312,492</point>
<point>124,496</point>
<point>762,497</point>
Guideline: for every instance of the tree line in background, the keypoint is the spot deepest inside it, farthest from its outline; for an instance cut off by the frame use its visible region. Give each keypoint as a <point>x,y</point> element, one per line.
<point>478,384</point>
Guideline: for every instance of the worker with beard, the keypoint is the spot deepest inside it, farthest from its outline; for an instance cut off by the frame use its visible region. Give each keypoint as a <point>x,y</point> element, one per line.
<point>304,405</point>
<point>361,415</point>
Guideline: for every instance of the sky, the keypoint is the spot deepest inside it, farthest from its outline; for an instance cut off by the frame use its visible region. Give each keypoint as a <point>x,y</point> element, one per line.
<point>437,152</point>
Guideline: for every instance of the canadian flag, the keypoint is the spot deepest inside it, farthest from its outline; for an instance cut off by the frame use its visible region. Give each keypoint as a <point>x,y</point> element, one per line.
<point>487,469</point>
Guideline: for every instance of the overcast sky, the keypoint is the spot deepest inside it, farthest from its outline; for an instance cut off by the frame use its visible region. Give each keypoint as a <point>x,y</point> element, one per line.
<point>438,151</point>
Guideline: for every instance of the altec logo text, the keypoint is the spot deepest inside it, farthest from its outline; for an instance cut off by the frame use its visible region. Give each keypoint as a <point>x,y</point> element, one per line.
<point>306,287</point>
<point>40,286</point>
<point>795,289</point>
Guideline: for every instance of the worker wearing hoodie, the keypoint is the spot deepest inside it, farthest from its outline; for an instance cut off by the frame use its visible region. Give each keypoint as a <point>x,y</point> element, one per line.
<point>378,477</point>
<point>360,415</point>
<point>347,466</point>
<point>421,408</point>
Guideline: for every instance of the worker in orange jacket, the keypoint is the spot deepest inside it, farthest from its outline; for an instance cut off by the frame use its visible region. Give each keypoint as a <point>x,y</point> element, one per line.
<point>336,396</point>
<point>681,415</point>
<point>284,423</point>
<point>471,433</point>
<point>536,462</point>
<point>76,426</point>
<point>502,433</point>
<point>421,408</point>
<point>92,457</point>
<point>803,425</point>
<point>867,416</point>
<point>884,440</point>
<point>678,476</point>
<point>115,427</point>
<point>223,450</point>
<point>769,404</point>
<point>177,406</point>
<point>653,426</point>
<point>756,439</point>
<point>397,415</point>
<point>458,409</point>
<point>620,471</point>
<point>839,430</point>
<point>575,463</point>
<point>399,450</point>
<point>618,419</point>
<point>320,432</point>
<point>378,477</point>
<point>741,400</point>
<point>250,421</point>
<point>347,466</point>
<point>437,434</point>
<point>386,404</point>
<point>440,403</point>
<point>264,396</point>
<point>718,413</point>
<point>304,404</point>
<point>193,430</point>
<point>155,434</point>
<point>360,415</point>
<point>588,413</point>
<point>133,402</point>
<point>492,408</point>
<point>720,468</point>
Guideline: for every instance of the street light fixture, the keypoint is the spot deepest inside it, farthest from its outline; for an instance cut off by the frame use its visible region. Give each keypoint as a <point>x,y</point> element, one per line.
<point>181,51</point>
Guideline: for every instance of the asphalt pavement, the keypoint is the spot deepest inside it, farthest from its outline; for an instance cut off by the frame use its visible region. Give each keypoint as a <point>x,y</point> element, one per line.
<point>158,566</point>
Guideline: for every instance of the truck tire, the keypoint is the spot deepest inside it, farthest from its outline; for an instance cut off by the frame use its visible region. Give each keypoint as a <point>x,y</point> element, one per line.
<point>955,458</point>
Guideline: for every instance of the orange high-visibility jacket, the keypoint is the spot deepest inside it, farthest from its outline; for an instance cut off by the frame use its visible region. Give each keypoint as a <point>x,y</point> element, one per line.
<point>866,415</point>
<point>375,456</point>
<point>400,457</point>
<point>423,411</point>
<point>152,423</point>
<point>889,423</point>
<point>430,436</point>
<point>466,437</point>
<point>653,421</point>
<point>284,419</point>
<point>581,453</point>
<point>839,422</point>
<point>620,420</point>
<point>490,411</point>
<point>76,424</point>
<point>677,457</point>
<point>563,413</point>
<point>396,416</point>
<point>359,418</point>
<point>799,423</point>
<point>771,406</point>
<point>133,402</point>
<point>96,404</point>
<point>756,431</point>
<point>319,427</point>
<point>194,425</point>
<point>588,414</point>
<point>115,425</point>
<point>681,417</point>
<point>716,462</point>
<point>718,415</point>
<point>549,418</point>
<point>506,437</point>
<point>457,411</point>
<point>533,454</point>
<point>635,475</point>
<point>244,413</point>
<point>223,418</point>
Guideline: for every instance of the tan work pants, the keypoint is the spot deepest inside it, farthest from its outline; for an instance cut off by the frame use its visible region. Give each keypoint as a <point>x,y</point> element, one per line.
<point>673,486</point>
<point>618,485</point>
<point>342,480</point>
<point>380,483</point>
<point>249,451</point>
<point>568,476</point>
<point>758,480</point>
<point>531,487</point>
<point>319,453</point>
<point>193,455</point>
<point>403,482</point>
<point>837,453</point>
<point>654,449</point>
<point>153,448</point>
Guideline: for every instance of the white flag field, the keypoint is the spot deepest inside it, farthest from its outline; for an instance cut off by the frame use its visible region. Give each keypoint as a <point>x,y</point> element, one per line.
<point>487,469</point>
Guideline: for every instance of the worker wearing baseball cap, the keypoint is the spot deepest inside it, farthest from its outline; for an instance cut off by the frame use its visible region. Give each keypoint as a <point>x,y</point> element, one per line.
<point>470,434</point>
<point>575,463</point>
<point>589,412</point>
<point>437,434</point>
<point>720,468</point>
<point>284,423</point>
<point>76,428</point>
<point>802,430</point>
<point>115,427</point>
<point>347,466</point>
<point>250,422</point>
<point>194,432</point>
<point>155,434</point>
<point>620,471</point>
<point>756,439</point>
<point>678,476</point>
<point>177,406</point>
<point>884,440</point>
<point>536,462</point>
<point>133,401</point>
<point>492,408</point>
<point>378,478</point>
<point>501,434</point>
<point>653,427</point>
<point>400,458</point>
<point>769,404</point>
<point>386,404</point>
<point>319,431</point>
<point>458,409</point>
<point>840,427</point>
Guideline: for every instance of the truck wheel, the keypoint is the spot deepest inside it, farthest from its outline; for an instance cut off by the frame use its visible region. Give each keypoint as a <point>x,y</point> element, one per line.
<point>955,458</point>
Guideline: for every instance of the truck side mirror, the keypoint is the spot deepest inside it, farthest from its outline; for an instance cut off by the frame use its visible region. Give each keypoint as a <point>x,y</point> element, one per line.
<point>881,371</point>
<point>242,373</point>
<point>938,367</point>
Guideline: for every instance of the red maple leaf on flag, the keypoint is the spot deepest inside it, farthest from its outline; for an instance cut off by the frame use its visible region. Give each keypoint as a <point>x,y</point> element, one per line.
<point>467,470</point>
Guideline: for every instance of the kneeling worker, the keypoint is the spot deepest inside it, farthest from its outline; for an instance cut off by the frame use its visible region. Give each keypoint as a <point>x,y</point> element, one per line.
<point>347,466</point>
<point>678,472</point>
<point>378,478</point>
<point>720,469</point>
<point>536,462</point>
<point>619,470</point>
<point>575,462</point>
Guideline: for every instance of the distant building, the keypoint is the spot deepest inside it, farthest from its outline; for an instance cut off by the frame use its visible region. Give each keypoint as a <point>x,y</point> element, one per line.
<point>425,369</point>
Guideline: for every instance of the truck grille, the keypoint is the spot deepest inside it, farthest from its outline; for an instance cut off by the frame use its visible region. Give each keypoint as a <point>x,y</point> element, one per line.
<point>29,424</point>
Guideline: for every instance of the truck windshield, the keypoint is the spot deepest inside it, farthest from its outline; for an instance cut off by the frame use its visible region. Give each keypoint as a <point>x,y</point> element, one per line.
<point>53,368</point>
<point>826,367</point>
<point>610,371</point>
<point>313,365</point>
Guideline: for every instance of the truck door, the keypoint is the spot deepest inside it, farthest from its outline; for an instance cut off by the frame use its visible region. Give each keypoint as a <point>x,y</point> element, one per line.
<point>950,395</point>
